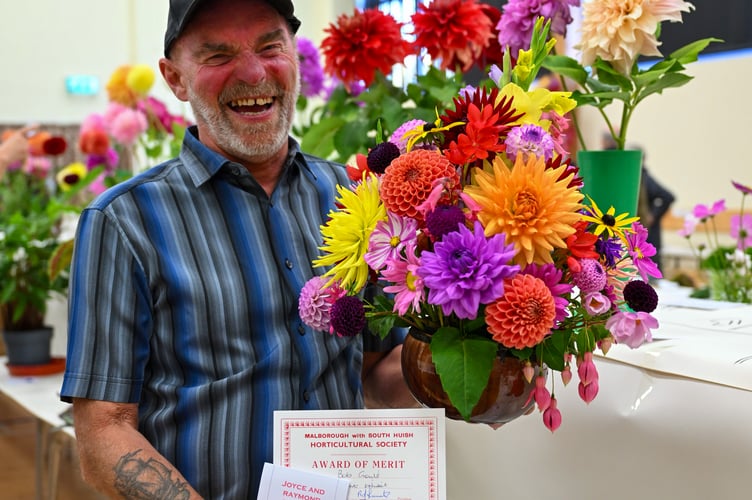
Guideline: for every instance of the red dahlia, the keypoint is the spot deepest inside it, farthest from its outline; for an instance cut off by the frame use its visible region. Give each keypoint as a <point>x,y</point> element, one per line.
<point>456,32</point>
<point>359,45</point>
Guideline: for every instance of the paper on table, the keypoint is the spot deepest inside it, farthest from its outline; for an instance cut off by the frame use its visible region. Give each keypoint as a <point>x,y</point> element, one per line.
<point>710,345</point>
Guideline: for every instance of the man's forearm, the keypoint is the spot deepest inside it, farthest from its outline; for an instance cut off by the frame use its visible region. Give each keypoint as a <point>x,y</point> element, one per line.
<point>118,461</point>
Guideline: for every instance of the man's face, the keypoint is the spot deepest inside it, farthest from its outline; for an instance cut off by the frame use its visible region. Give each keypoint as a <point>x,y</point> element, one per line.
<point>238,68</point>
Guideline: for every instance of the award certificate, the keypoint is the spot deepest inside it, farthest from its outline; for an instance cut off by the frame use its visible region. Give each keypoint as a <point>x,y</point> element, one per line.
<point>394,454</point>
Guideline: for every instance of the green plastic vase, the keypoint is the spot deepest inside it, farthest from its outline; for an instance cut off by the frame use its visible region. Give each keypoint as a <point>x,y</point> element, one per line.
<point>612,178</point>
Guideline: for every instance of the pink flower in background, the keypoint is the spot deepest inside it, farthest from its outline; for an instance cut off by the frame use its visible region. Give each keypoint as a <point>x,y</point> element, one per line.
<point>690,224</point>
<point>741,230</point>
<point>128,125</point>
<point>37,166</point>
<point>703,211</point>
<point>741,187</point>
<point>93,121</point>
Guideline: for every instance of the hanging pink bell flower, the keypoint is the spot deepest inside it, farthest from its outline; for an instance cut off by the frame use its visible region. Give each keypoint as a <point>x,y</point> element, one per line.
<point>528,371</point>
<point>605,344</point>
<point>566,375</point>
<point>586,369</point>
<point>588,392</point>
<point>552,416</point>
<point>540,393</point>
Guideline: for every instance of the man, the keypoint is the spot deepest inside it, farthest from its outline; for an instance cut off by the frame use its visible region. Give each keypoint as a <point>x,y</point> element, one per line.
<point>184,335</point>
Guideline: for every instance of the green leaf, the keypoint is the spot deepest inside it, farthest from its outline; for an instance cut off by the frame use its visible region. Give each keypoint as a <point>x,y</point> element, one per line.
<point>670,80</point>
<point>382,325</point>
<point>553,348</point>
<point>566,66</point>
<point>610,76</point>
<point>319,139</point>
<point>352,138</point>
<point>656,72</point>
<point>689,52</point>
<point>463,365</point>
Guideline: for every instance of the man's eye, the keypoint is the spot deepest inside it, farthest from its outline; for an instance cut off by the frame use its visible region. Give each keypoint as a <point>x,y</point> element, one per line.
<point>217,58</point>
<point>273,47</point>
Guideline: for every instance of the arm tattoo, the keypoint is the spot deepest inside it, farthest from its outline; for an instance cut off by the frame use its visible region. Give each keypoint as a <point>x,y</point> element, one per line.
<point>139,478</point>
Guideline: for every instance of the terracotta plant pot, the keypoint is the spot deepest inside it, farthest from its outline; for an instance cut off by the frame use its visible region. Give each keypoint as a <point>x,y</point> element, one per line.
<point>505,398</point>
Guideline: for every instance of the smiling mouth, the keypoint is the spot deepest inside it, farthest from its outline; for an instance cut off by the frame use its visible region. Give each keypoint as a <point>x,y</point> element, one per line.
<point>257,105</point>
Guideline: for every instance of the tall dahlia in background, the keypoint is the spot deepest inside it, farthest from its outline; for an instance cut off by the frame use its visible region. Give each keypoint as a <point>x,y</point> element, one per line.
<point>359,45</point>
<point>311,72</point>
<point>454,32</point>
<point>620,32</point>
<point>518,18</point>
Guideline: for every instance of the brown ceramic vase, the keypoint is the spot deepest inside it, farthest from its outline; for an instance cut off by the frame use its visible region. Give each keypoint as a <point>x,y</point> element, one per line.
<point>506,397</point>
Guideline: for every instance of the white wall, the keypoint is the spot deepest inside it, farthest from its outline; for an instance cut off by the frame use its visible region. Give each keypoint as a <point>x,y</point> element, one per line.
<point>43,41</point>
<point>695,137</point>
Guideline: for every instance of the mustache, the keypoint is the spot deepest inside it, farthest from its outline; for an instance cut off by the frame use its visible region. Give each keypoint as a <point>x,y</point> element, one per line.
<point>243,90</point>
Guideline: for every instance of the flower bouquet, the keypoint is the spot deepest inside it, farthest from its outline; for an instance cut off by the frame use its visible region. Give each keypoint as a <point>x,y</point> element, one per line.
<point>729,266</point>
<point>473,230</point>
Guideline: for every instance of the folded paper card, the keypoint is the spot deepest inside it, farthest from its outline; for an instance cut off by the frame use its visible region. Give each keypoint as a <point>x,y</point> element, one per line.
<point>278,483</point>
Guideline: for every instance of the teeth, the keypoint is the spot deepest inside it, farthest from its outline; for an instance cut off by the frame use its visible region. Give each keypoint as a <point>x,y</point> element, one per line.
<point>260,101</point>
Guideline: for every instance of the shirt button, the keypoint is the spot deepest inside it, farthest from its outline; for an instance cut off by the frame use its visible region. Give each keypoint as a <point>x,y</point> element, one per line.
<point>301,329</point>
<point>235,171</point>
<point>306,396</point>
<point>288,263</point>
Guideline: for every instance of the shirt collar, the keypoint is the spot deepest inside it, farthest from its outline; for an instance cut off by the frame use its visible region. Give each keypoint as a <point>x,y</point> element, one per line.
<point>203,163</point>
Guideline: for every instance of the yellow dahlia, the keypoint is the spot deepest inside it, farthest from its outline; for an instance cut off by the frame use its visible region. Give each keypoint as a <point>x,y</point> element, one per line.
<point>140,79</point>
<point>347,232</point>
<point>620,31</point>
<point>535,207</point>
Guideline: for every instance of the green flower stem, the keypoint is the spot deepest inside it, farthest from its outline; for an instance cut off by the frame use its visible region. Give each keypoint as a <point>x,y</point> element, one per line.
<point>575,122</point>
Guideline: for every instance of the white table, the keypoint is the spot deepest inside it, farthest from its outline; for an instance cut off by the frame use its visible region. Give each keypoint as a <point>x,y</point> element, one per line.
<point>39,396</point>
<point>656,430</point>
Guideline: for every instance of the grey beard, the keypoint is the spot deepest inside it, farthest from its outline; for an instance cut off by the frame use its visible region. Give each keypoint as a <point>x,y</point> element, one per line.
<point>232,141</point>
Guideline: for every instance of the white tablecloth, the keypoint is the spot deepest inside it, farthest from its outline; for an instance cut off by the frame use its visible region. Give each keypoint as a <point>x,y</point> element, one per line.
<point>672,420</point>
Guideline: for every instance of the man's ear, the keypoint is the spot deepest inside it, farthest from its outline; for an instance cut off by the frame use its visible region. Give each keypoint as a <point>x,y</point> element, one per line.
<point>174,78</point>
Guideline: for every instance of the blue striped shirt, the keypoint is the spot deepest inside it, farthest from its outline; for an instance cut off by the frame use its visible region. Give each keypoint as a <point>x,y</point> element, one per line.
<point>183,299</point>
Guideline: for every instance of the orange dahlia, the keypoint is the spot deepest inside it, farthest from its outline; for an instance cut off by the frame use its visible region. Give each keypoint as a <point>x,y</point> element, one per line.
<point>456,32</point>
<point>117,87</point>
<point>523,315</point>
<point>536,207</point>
<point>359,45</point>
<point>409,180</point>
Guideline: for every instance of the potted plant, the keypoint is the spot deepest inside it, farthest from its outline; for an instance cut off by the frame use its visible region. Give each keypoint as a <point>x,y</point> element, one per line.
<point>614,36</point>
<point>35,198</point>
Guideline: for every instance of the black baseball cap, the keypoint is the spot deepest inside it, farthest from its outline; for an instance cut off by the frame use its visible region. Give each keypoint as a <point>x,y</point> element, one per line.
<point>181,12</point>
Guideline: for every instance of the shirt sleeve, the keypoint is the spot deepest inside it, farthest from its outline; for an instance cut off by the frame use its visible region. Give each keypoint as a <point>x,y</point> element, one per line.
<point>108,316</point>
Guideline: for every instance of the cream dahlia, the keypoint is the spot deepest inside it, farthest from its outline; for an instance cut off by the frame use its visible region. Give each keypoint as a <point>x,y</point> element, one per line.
<point>619,31</point>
